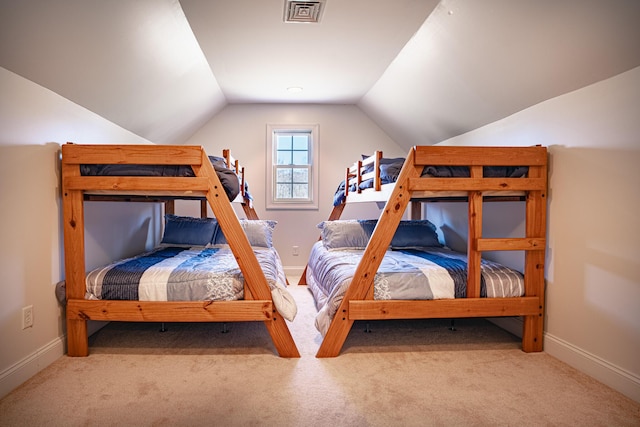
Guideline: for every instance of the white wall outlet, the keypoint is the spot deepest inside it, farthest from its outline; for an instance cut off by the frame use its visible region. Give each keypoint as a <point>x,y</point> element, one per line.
<point>27,317</point>
<point>296,250</point>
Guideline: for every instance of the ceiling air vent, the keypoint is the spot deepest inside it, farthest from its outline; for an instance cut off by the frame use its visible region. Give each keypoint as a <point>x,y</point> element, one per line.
<point>303,11</point>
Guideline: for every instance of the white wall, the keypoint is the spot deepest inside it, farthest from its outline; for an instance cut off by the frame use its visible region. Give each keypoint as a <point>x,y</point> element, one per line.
<point>344,132</point>
<point>33,123</point>
<point>592,271</point>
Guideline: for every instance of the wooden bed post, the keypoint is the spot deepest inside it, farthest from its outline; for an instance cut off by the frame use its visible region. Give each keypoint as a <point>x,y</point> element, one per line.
<point>534,284</point>
<point>373,254</point>
<point>474,257</point>
<point>249,211</point>
<point>416,210</point>
<point>74,263</point>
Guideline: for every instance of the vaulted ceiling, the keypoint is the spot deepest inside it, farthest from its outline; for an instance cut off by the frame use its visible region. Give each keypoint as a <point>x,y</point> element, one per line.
<point>424,70</point>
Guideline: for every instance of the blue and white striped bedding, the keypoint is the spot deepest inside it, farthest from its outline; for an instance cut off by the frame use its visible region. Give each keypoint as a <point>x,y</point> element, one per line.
<point>197,273</point>
<point>424,273</point>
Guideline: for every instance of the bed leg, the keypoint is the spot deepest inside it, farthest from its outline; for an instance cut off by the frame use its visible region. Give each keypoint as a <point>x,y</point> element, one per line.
<point>336,336</point>
<point>452,326</point>
<point>224,328</point>
<point>77,338</point>
<point>281,337</point>
<point>367,329</point>
<point>162,327</point>
<point>532,334</point>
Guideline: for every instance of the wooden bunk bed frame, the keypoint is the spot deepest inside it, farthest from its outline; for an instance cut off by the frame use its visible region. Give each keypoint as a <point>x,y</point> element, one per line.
<point>411,188</point>
<point>257,305</point>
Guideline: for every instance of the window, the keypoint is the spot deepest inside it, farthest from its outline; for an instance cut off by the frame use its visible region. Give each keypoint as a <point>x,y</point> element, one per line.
<point>292,172</point>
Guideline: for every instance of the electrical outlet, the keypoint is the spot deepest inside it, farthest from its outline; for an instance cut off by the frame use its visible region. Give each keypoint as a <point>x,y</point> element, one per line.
<point>296,251</point>
<point>27,317</point>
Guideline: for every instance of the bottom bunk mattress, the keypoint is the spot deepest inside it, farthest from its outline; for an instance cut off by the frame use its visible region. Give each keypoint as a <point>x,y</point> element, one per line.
<point>195,273</point>
<point>408,274</point>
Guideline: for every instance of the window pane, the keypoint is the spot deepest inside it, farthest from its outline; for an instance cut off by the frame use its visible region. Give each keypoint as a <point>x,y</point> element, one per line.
<point>284,157</point>
<point>300,157</point>
<point>301,175</point>
<point>284,142</point>
<point>300,191</point>
<point>301,142</point>
<point>283,175</point>
<point>283,191</point>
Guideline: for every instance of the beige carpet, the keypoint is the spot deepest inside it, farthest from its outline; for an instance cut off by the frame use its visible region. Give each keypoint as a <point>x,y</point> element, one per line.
<point>403,373</point>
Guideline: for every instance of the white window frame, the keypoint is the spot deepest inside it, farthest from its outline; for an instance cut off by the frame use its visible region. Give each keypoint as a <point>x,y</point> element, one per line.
<point>312,202</point>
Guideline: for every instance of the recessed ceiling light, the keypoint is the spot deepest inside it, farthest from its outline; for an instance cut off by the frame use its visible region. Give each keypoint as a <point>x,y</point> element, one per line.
<point>294,89</point>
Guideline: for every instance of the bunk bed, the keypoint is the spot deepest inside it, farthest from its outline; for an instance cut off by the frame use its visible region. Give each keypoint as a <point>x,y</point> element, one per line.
<point>429,174</point>
<point>203,180</point>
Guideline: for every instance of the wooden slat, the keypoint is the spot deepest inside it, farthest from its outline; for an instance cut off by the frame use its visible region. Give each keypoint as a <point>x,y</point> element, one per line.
<point>170,207</point>
<point>249,212</point>
<point>416,210</point>
<point>137,183</point>
<point>377,179</point>
<point>170,311</point>
<point>485,156</point>
<point>131,154</point>
<point>512,244</point>
<point>474,257</point>
<point>477,184</point>
<point>444,308</point>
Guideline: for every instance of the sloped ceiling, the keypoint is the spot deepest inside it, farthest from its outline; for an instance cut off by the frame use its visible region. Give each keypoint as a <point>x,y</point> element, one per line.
<point>423,70</point>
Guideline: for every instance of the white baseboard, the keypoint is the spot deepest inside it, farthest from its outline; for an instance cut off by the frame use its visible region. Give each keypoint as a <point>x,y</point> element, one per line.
<point>26,368</point>
<point>615,377</point>
<point>607,373</point>
<point>293,274</point>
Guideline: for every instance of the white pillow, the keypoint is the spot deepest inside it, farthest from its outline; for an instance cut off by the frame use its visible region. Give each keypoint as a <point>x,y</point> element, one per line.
<point>259,232</point>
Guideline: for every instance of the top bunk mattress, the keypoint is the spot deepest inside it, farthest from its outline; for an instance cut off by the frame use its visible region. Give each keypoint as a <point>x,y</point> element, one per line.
<point>228,178</point>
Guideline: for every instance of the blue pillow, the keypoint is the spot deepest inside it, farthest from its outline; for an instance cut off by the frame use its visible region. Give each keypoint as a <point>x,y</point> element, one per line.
<point>415,233</point>
<point>186,230</point>
<point>259,233</point>
<point>355,234</point>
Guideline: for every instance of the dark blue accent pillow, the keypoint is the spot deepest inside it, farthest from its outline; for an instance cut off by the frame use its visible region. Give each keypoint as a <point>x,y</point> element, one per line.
<point>186,230</point>
<point>415,233</point>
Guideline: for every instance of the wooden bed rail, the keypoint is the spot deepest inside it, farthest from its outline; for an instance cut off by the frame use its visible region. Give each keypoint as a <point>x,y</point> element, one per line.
<point>257,306</point>
<point>357,174</point>
<point>234,164</point>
